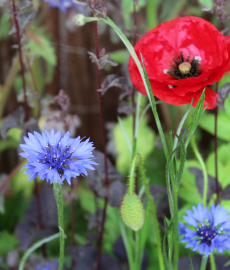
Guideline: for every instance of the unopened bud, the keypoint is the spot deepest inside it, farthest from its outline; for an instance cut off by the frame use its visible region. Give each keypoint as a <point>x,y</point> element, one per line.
<point>79,19</point>
<point>132,212</point>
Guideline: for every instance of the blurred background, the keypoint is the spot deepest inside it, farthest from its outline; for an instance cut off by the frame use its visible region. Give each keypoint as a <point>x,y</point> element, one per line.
<point>59,55</point>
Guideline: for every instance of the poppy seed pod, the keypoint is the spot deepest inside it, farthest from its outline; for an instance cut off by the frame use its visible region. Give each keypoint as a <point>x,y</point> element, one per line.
<point>132,212</point>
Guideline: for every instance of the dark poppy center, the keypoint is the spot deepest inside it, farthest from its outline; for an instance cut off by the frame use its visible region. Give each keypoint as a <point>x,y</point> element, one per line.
<point>182,68</point>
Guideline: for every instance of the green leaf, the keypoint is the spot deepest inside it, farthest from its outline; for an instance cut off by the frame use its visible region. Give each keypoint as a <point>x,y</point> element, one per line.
<point>197,116</point>
<point>8,242</point>
<point>2,208</point>
<point>224,80</point>
<point>188,190</point>
<point>127,10</point>
<point>120,56</point>
<point>86,199</point>
<point>13,138</point>
<point>34,247</point>
<point>4,24</point>
<point>223,165</point>
<point>112,230</point>
<point>14,134</point>
<point>41,46</point>
<point>207,122</point>
<point>19,182</point>
<point>206,3</point>
<point>145,142</point>
<point>152,101</point>
<point>181,125</point>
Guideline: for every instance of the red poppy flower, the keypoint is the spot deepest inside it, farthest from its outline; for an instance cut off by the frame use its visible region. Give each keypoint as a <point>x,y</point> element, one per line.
<point>182,56</point>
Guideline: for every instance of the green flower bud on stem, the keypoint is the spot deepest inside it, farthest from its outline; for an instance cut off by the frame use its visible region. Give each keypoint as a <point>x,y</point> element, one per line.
<point>80,19</point>
<point>132,212</point>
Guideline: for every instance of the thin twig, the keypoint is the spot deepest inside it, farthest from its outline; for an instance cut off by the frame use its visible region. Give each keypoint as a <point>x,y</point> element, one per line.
<point>215,136</point>
<point>21,60</point>
<point>216,151</point>
<point>100,239</point>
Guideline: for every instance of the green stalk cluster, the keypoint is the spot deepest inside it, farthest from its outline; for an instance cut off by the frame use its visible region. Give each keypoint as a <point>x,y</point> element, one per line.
<point>174,167</point>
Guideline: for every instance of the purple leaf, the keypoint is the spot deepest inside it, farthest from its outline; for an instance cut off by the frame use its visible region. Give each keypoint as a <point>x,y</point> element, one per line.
<point>223,93</point>
<point>103,61</point>
<point>200,183</point>
<point>27,230</point>
<point>84,256</point>
<point>96,180</point>
<point>111,81</point>
<point>15,119</point>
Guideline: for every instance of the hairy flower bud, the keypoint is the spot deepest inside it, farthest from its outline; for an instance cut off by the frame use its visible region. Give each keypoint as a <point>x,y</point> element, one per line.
<point>79,19</point>
<point>132,212</point>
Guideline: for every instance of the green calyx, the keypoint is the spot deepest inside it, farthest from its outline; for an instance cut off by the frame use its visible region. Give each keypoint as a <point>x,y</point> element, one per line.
<point>132,212</point>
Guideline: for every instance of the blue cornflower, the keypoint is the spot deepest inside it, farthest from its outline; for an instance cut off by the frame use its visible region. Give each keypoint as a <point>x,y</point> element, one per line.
<point>56,157</point>
<point>51,265</point>
<point>208,229</point>
<point>43,267</point>
<point>63,5</point>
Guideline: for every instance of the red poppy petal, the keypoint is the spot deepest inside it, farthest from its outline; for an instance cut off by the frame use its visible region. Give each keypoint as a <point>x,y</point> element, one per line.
<point>227,39</point>
<point>211,98</point>
<point>164,93</point>
<point>193,36</point>
<point>163,43</point>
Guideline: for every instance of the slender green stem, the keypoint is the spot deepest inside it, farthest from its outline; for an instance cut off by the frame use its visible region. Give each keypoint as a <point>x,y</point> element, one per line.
<point>127,244</point>
<point>144,111</point>
<point>204,262</point>
<point>138,157</point>
<point>125,134</point>
<point>34,247</point>
<point>155,113</point>
<point>134,148</point>
<point>175,228</point>
<point>57,187</point>
<point>212,261</point>
<point>136,251</point>
<point>205,175</point>
<point>152,14</point>
<point>176,10</point>
<point>132,175</point>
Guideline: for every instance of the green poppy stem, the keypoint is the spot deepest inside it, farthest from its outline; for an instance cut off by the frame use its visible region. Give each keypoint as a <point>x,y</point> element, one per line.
<point>205,175</point>
<point>138,160</point>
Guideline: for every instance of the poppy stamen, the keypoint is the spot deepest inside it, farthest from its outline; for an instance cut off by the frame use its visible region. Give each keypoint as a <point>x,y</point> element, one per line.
<point>184,68</point>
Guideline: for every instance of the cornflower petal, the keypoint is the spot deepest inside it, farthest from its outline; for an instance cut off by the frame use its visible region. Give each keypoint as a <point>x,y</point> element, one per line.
<point>218,215</point>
